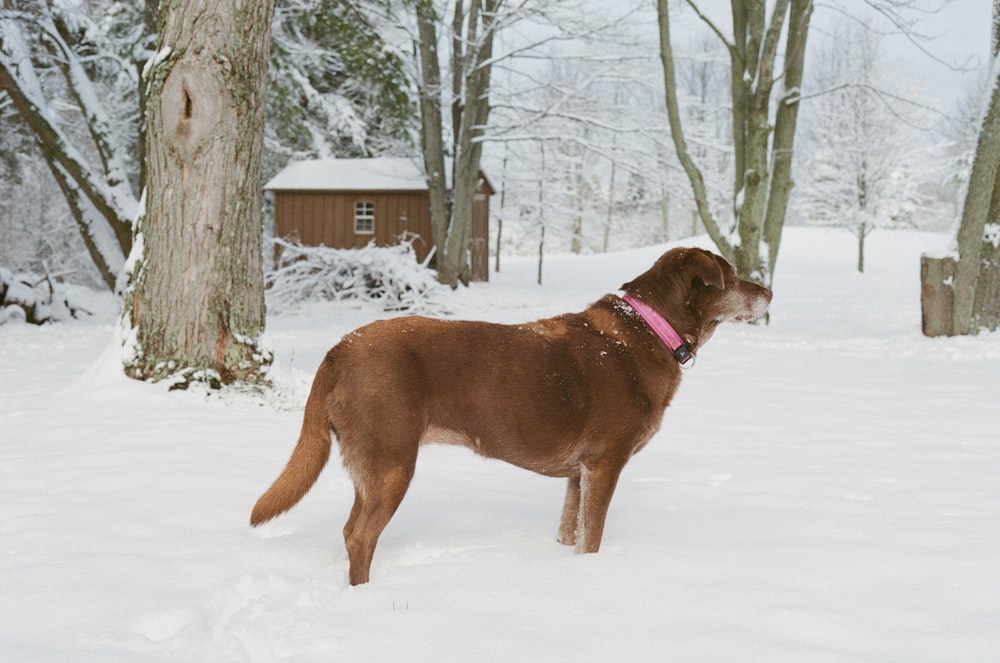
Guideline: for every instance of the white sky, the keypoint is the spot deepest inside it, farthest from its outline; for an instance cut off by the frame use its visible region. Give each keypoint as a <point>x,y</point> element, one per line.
<point>961,36</point>
<point>960,33</point>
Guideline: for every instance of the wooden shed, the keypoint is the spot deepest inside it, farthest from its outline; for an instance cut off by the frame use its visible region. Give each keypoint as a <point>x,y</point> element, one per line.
<point>347,203</point>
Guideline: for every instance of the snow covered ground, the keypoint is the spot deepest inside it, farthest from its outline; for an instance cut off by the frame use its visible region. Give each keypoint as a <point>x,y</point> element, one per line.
<point>825,488</point>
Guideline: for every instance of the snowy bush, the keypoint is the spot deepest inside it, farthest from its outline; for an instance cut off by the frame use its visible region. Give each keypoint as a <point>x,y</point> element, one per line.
<point>34,299</point>
<point>388,276</point>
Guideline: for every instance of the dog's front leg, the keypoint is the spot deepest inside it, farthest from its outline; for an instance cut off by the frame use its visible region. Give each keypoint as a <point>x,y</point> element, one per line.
<point>570,513</point>
<point>597,485</point>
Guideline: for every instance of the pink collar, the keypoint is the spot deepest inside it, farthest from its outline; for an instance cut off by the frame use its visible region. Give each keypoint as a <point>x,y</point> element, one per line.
<point>663,329</point>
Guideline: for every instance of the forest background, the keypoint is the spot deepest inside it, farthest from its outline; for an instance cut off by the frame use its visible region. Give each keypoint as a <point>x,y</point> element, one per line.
<point>578,140</point>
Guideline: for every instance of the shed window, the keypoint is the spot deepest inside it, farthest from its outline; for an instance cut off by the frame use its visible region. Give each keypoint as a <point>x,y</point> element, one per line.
<point>364,217</point>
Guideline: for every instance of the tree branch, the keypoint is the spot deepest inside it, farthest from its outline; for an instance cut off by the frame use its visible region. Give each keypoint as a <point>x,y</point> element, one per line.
<point>680,144</point>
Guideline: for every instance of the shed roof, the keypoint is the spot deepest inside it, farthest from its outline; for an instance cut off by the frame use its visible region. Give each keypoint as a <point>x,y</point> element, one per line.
<point>375,174</point>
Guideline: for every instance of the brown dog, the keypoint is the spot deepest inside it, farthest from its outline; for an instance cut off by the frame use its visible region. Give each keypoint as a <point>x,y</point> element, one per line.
<point>572,396</point>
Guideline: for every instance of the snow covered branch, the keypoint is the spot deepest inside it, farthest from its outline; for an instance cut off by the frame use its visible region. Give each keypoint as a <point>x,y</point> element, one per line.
<point>35,299</point>
<point>101,200</point>
<point>388,277</point>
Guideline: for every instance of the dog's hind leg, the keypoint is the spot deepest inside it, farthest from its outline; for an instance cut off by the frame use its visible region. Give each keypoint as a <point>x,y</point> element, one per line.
<point>355,510</point>
<point>376,500</point>
<point>571,512</point>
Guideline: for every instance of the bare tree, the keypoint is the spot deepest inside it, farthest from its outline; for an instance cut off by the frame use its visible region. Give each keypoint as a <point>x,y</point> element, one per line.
<point>865,166</point>
<point>195,299</point>
<point>596,107</point>
<point>960,292</point>
<point>471,33</point>
<point>762,144</point>
<point>527,105</point>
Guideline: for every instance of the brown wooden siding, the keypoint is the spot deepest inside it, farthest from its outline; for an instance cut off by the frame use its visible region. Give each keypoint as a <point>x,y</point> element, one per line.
<point>327,218</point>
<point>479,238</point>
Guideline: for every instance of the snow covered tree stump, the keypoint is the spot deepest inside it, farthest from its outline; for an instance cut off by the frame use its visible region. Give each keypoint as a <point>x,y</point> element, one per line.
<point>942,291</point>
<point>937,298</point>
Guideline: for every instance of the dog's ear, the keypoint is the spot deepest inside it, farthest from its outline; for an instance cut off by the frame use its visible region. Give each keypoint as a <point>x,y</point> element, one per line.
<point>705,267</point>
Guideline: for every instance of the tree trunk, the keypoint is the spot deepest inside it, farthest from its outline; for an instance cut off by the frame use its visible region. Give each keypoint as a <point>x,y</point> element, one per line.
<point>665,209</point>
<point>785,124</point>
<point>960,293</point>
<point>503,204</point>
<point>431,130</point>
<point>762,176</point>
<point>977,272</point>
<point>576,241</point>
<point>470,111</point>
<point>195,302</point>
<point>541,216</point>
<point>691,169</point>
<point>758,59</point>
<point>861,248</point>
<point>611,199</point>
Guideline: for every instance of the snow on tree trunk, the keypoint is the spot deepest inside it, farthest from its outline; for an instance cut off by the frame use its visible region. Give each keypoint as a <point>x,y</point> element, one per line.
<point>195,303</point>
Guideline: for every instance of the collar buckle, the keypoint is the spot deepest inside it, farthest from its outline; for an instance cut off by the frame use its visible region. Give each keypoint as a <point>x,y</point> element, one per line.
<point>684,356</point>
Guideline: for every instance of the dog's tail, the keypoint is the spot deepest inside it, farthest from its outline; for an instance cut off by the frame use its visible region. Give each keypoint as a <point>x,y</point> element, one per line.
<point>308,458</point>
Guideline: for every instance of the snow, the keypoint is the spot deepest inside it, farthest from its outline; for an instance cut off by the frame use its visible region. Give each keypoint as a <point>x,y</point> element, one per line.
<point>824,488</point>
<point>156,60</point>
<point>378,174</point>
<point>388,276</point>
<point>991,234</point>
<point>374,174</point>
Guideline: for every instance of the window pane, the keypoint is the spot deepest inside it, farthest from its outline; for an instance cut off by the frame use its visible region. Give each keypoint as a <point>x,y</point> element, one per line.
<point>364,217</point>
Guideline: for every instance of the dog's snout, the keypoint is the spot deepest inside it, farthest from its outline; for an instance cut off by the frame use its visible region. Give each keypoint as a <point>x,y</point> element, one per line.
<point>756,299</point>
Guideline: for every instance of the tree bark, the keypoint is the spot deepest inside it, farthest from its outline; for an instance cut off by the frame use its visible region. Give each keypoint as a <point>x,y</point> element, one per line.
<point>431,130</point>
<point>195,303</point>
<point>785,124</point>
<point>960,293</point>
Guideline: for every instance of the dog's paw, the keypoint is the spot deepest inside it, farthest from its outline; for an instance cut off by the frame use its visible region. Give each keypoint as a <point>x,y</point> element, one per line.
<point>566,538</point>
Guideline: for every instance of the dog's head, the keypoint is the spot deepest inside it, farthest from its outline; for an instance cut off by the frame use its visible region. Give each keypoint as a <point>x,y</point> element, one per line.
<point>695,290</point>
